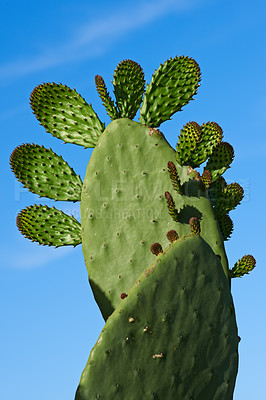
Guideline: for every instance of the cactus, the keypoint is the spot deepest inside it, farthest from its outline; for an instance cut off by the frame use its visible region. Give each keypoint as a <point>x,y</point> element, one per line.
<point>138,195</point>
<point>173,337</point>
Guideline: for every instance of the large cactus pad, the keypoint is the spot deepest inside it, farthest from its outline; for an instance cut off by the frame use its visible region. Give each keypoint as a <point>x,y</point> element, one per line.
<point>123,208</point>
<point>174,337</point>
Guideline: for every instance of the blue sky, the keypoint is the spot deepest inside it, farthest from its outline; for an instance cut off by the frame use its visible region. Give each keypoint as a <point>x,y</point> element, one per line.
<point>49,318</point>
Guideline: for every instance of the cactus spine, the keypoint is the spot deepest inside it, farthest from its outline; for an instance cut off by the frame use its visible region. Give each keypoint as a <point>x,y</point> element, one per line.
<point>170,328</point>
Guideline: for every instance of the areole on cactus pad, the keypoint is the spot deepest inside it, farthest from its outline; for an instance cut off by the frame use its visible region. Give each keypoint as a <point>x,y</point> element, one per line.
<point>137,188</point>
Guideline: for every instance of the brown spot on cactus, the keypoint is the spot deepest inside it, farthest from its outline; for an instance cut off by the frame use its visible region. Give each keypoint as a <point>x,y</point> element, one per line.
<point>155,132</point>
<point>160,355</point>
<point>156,249</point>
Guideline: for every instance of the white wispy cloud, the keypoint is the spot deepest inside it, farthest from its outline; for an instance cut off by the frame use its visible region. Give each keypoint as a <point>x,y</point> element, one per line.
<point>93,39</point>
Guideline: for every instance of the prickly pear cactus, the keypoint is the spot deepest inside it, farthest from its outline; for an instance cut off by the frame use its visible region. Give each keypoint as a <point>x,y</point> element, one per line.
<point>175,332</point>
<point>171,331</point>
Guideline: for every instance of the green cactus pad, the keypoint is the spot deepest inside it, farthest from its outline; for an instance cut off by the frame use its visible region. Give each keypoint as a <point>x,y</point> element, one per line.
<point>172,86</point>
<point>45,173</point>
<point>174,335</point>
<point>243,266</point>
<point>66,115</point>
<point>124,211</point>
<point>220,160</point>
<point>129,85</point>
<point>211,136</point>
<point>49,226</point>
<point>105,97</point>
<point>187,144</point>
<point>216,189</point>
<point>226,226</point>
<point>230,197</point>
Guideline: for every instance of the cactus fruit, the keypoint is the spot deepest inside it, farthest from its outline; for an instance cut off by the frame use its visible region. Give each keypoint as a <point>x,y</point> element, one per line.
<point>138,195</point>
<point>156,249</point>
<point>194,225</point>
<point>172,236</point>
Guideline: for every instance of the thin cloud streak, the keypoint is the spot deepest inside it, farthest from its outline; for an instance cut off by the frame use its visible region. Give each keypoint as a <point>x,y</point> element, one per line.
<point>93,39</point>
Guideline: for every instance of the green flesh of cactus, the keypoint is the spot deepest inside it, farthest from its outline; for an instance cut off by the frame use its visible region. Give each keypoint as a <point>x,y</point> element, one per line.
<point>173,337</point>
<point>123,208</point>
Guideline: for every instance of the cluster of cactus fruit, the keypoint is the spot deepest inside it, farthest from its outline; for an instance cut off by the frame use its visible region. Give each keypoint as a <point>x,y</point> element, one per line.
<point>170,328</point>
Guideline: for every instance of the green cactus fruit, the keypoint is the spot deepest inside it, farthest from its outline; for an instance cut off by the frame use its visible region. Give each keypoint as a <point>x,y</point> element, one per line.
<point>243,266</point>
<point>172,86</point>
<point>49,226</point>
<point>129,85</point>
<point>226,226</point>
<point>174,335</point>
<point>66,115</point>
<point>123,206</point>
<point>105,97</point>
<point>220,160</point>
<point>45,173</point>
